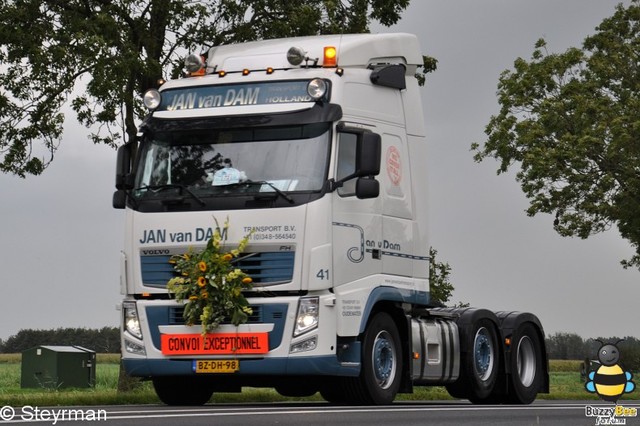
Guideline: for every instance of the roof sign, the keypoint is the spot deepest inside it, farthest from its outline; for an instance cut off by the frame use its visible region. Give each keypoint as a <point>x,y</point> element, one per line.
<point>186,98</point>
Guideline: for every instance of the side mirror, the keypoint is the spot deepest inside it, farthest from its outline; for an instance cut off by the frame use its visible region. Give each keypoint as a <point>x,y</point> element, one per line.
<point>359,156</point>
<point>368,154</point>
<point>124,179</point>
<point>119,199</point>
<point>367,187</point>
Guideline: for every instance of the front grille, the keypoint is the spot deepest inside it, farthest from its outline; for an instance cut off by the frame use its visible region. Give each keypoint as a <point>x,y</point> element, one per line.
<point>156,270</point>
<point>268,267</point>
<point>271,313</point>
<point>176,315</point>
<point>265,268</point>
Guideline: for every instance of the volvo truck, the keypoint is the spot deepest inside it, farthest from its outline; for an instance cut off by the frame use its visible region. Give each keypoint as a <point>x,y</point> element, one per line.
<point>315,147</point>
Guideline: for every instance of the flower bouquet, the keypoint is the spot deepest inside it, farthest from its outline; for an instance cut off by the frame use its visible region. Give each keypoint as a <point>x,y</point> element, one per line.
<point>211,285</point>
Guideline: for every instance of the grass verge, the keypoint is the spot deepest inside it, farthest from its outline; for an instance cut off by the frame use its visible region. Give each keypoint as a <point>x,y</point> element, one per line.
<point>564,376</point>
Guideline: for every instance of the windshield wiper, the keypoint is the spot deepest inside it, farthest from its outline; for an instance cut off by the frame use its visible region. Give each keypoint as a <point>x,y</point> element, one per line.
<point>275,188</point>
<point>182,188</point>
<point>258,182</point>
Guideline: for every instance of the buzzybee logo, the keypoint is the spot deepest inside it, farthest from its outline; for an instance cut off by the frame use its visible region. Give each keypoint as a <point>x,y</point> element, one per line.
<point>609,380</point>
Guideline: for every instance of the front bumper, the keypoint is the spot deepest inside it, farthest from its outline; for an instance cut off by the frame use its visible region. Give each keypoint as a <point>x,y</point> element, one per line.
<point>327,365</point>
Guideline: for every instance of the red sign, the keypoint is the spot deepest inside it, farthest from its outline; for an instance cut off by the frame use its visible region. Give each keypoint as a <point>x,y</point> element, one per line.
<point>394,167</point>
<point>215,344</point>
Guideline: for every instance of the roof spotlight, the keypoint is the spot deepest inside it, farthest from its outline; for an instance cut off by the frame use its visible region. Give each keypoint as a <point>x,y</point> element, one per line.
<point>193,63</point>
<point>152,99</point>
<point>296,55</point>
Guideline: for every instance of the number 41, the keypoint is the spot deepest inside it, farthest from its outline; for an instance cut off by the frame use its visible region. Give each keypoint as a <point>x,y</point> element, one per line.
<point>323,274</point>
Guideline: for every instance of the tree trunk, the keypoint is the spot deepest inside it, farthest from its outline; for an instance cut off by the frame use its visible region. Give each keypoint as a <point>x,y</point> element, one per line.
<point>127,383</point>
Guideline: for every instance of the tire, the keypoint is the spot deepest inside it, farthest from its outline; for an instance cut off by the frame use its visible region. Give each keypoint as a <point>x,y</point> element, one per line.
<point>381,367</point>
<point>333,391</point>
<point>382,360</point>
<point>479,364</point>
<point>299,390</point>
<point>526,365</point>
<point>380,372</point>
<point>182,390</point>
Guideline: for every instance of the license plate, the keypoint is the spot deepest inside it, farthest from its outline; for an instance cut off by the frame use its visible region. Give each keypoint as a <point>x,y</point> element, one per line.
<point>230,344</point>
<point>216,366</point>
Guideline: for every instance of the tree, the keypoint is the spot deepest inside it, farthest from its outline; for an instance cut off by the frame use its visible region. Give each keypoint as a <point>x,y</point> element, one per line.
<point>571,123</point>
<point>106,339</point>
<point>100,56</point>
<point>566,346</point>
<point>440,288</point>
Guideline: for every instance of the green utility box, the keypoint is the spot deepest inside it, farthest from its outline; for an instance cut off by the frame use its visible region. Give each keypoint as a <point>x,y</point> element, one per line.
<point>58,367</point>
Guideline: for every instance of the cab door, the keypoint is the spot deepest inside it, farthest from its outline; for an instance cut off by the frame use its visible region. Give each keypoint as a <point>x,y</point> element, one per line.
<point>397,251</point>
<point>356,222</point>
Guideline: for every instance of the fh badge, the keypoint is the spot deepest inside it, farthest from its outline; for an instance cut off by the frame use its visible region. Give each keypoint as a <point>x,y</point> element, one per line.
<point>609,381</point>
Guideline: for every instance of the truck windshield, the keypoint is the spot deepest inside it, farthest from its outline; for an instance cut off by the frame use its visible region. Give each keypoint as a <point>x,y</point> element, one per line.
<point>214,163</point>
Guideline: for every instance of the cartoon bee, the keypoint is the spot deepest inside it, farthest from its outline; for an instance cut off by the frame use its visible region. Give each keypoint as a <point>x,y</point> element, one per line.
<point>609,381</point>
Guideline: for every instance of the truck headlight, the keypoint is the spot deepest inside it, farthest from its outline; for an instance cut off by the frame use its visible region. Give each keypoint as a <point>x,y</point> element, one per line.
<point>131,320</point>
<point>317,89</point>
<point>307,318</point>
<point>134,348</point>
<point>304,346</point>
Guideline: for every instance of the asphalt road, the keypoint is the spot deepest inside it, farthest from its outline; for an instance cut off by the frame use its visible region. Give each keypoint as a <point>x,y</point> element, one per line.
<point>310,414</point>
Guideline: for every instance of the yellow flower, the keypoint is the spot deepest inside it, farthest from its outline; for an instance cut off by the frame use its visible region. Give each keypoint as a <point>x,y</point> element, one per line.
<point>204,295</point>
<point>176,281</point>
<point>247,280</point>
<point>227,257</point>
<point>217,238</point>
<point>193,298</point>
<point>202,266</point>
<point>202,281</point>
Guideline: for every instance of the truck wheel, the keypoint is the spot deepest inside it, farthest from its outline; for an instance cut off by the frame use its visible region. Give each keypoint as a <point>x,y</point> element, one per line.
<point>380,370</point>
<point>333,391</point>
<point>479,365</point>
<point>182,390</point>
<point>526,365</point>
<point>379,379</point>
<point>296,390</point>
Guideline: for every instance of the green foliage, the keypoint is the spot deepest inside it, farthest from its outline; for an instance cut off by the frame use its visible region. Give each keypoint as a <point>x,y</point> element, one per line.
<point>429,64</point>
<point>571,123</point>
<point>440,288</point>
<point>566,346</point>
<point>104,392</point>
<point>106,339</point>
<point>565,384</point>
<point>570,346</point>
<point>101,56</point>
<point>565,365</point>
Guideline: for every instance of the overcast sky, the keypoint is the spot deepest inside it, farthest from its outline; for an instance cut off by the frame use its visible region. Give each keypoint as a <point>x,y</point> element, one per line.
<point>60,238</point>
